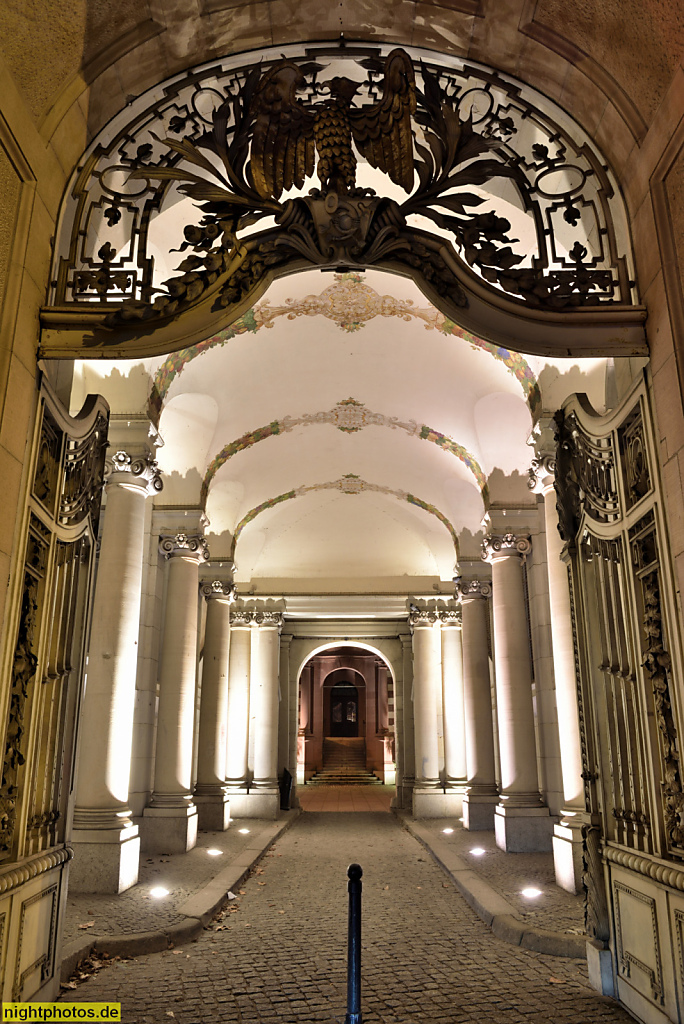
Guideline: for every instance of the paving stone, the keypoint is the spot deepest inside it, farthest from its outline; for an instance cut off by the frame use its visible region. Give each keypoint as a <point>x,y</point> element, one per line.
<point>427,957</point>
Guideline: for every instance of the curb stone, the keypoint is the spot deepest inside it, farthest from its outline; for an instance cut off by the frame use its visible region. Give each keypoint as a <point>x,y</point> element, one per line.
<point>493,908</point>
<point>198,909</point>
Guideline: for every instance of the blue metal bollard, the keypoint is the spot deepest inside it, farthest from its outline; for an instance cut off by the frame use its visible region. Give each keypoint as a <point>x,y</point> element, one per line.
<point>354,873</point>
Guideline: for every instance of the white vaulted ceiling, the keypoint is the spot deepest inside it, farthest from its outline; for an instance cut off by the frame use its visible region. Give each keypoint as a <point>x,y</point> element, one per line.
<point>343,429</point>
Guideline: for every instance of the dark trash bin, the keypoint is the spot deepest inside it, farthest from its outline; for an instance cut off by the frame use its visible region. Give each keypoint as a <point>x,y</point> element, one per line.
<point>285,790</point>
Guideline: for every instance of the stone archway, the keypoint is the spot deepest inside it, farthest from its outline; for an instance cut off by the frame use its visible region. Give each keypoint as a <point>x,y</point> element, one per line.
<point>351,667</point>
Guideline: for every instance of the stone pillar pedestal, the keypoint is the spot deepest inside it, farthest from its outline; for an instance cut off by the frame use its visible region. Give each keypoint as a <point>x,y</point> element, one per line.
<point>213,806</point>
<point>106,843</point>
<point>522,822</point>
<point>170,822</point>
<point>567,834</point>
<point>428,795</point>
<point>453,706</point>
<point>481,795</point>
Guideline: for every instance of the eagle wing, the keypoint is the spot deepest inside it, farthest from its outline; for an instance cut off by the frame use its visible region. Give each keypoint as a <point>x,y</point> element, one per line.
<point>382,131</point>
<point>283,153</point>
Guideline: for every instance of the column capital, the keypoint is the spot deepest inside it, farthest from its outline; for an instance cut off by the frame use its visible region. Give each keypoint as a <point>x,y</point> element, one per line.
<point>422,618</point>
<point>450,617</point>
<point>471,589</point>
<point>128,468</point>
<point>241,618</point>
<point>504,546</point>
<point>543,440</point>
<point>186,545</point>
<point>218,589</point>
<point>268,619</point>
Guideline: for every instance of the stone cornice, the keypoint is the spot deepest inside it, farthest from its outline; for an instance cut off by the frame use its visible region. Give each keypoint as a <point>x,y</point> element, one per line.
<point>472,588</point>
<point>141,469</point>
<point>187,545</point>
<point>505,545</point>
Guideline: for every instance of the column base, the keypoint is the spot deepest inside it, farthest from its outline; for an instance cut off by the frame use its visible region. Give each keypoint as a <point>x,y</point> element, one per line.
<point>257,803</point>
<point>435,803</point>
<point>213,812</point>
<point>478,812</point>
<point>169,829</point>
<point>567,854</point>
<point>600,969</point>
<point>105,860</point>
<point>523,829</point>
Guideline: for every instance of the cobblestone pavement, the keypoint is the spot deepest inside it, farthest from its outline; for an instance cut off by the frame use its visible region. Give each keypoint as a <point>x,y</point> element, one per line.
<point>510,873</point>
<point>182,874</point>
<point>281,955</point>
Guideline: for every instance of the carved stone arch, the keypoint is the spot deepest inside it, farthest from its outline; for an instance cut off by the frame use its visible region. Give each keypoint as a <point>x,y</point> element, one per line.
<point>476,138</point>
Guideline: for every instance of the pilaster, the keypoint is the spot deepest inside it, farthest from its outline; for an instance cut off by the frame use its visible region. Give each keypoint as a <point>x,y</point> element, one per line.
<point>567,834</point>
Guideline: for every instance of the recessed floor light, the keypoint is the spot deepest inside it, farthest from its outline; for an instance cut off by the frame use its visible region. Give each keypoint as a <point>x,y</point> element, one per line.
<point>243,831</point>
<point>477,851</point>
<point>531,893</point>
<point>214,853</point>
<point>159,892</point>
<point>447,831</point>
<point>460,819</point>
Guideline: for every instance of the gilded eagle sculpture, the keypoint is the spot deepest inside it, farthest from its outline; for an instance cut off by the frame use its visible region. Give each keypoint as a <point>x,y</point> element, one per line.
<point>289,133</point>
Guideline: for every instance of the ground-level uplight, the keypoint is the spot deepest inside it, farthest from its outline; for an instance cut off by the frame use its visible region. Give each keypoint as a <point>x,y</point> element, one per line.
<point>447,831</point>
<point>243,831</point>
<point>477,851</point>
<point>531,893</point>
<point>214,853</point>
<point>159,892</point>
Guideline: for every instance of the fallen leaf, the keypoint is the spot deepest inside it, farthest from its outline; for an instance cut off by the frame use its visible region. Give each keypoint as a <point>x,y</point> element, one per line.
<point>557,981</point>
<point>68,984</point>
<point>419,887</point>
<point>386,887</point>
<point>88,924</point>
<point>281,911</point>
<point>445,885</point>
<point>261,883</point>
<point>177,951</point>
<point>241,891</point>
<point>170,1013</point>
<point>91,913</point>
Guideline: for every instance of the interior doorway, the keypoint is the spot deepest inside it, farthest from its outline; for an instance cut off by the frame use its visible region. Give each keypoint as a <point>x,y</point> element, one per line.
<point>344,711</point>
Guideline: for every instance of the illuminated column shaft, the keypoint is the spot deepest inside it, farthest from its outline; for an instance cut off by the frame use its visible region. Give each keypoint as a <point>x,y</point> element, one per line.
<point>171,824</point>
<point>521,803</point>
<point>102,814</point>
<point>238,701</point>
<point>210,790</point>
<point>406,754</point>
<point>265,666</point>
<point>426,681</point>
<point>482,794</point>
<point>452,681</point>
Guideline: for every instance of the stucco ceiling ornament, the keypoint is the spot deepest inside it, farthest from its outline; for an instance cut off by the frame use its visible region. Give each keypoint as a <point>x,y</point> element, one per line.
<point>456,139</point>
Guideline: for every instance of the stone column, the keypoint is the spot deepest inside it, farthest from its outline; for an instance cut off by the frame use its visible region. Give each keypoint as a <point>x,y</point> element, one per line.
<point>237,741</point>
<point>264,795</point>
<point>522,823</point>
<point>427,679</point>
<point>170,822</point>
<point>212,802</point>
<point>482,794</point>
<point>567,834</point>
<point>408,757</point>
<point>106,842</point>
<point>454,724</point>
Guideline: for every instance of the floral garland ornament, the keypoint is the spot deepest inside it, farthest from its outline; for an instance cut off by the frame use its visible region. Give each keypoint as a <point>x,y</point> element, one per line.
<point>348,416</point>
<point>350,483</point>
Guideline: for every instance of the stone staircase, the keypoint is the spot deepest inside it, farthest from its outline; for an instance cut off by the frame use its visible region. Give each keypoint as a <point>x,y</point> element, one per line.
<point>344,764</point>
